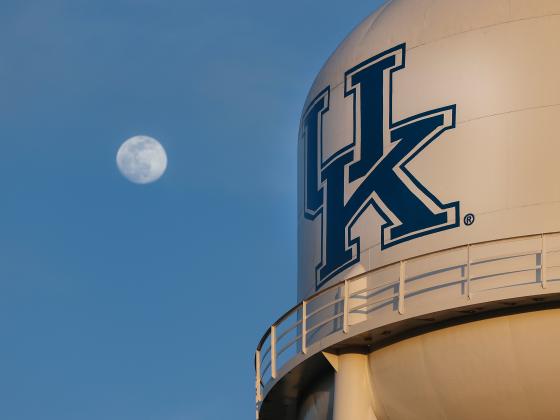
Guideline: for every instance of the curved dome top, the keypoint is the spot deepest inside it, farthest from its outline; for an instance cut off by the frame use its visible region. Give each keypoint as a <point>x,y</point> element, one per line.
<point>422,22</point>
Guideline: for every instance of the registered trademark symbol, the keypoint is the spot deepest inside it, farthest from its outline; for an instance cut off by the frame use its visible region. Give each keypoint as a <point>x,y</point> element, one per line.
<point>469,219</point>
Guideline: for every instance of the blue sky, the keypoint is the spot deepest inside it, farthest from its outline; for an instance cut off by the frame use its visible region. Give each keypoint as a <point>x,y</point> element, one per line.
<point>120,301</point>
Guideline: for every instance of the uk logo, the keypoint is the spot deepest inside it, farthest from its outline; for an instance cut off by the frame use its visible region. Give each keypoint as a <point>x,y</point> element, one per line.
<point>373,169</point>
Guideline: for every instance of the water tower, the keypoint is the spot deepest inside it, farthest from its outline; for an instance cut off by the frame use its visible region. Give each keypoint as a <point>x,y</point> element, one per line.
<point>429,222</point>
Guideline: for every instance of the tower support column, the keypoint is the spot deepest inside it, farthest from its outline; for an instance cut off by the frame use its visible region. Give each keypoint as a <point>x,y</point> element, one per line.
<point>352,393</point>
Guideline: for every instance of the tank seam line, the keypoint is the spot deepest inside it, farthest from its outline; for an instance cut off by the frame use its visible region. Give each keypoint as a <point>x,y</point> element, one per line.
<point>380,13</point>
<point>519,207</point>
<point>506,22</point>
<point>513,111</point>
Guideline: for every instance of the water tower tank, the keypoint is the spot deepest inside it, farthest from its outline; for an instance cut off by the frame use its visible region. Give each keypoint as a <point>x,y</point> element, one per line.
<point>428,222</point>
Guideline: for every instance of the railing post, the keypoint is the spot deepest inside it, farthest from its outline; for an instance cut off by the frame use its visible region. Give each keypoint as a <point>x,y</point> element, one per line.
<point>258,373</point>
<point>304,327</point>
<point>345,321</point>
<point>469,271</point>
<point>543,262</point>
<point>402,279</point>
<point>273,352</point>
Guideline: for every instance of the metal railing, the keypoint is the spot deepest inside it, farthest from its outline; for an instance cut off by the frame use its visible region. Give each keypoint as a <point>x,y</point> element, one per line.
<point>456,274</point>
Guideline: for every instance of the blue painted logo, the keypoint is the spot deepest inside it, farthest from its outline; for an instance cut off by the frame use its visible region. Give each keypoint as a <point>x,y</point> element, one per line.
<point>372,170</point>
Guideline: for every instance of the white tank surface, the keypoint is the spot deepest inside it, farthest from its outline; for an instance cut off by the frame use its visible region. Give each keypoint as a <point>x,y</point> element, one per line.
<point>428,222</point>
<point>429,113</point>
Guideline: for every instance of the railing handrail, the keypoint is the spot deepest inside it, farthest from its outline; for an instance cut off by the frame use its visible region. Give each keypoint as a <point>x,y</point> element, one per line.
<point>381,267</point>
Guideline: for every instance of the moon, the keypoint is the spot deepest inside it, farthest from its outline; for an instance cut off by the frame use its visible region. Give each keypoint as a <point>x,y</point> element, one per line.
<point>142,159</point>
